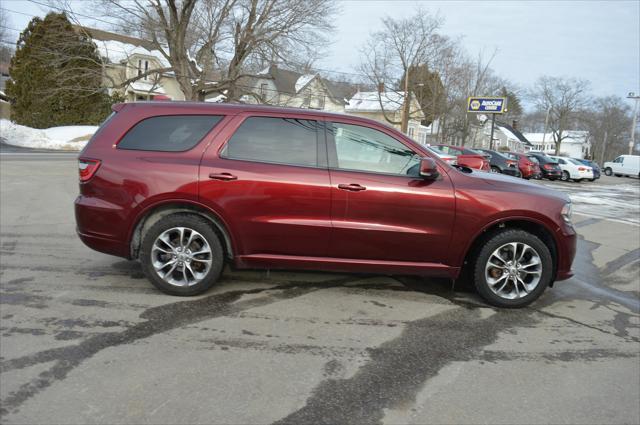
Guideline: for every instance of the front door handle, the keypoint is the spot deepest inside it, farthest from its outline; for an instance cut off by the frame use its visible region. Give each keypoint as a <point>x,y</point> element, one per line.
<point>222,176</point>
<point>352,187</point>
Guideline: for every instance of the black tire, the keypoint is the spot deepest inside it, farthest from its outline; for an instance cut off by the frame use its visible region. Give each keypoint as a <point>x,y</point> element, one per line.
<point>495,170</point>
<point>496,241</point>
<point>608,172</point>
<point>201,226</point>
<point>565,176</point>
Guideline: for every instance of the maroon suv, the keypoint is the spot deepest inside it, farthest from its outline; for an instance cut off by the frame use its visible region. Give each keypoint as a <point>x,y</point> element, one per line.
<point>184,187</point>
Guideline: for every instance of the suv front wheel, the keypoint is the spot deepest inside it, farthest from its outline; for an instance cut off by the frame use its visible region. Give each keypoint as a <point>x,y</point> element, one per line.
<point>512,269</point>
<point>181,255</point>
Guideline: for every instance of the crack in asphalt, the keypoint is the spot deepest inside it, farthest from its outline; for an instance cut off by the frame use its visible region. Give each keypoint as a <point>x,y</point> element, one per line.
<point>158,319</point>
<point>399,368</point>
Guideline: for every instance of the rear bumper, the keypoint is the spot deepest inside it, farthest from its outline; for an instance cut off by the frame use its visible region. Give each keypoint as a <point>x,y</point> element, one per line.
<point>95,226</point>
<point>511,172</point>
<point>104,245</point>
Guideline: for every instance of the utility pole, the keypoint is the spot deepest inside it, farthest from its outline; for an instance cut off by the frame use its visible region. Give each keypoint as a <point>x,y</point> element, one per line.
<point>493,126</point>
<point>406,105</point>
<point>546,123</point>
<point>632,142</point>
<point>604,148</point>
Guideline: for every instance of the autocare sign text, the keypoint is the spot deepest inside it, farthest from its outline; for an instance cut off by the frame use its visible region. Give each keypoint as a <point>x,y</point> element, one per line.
<point>490,105</point>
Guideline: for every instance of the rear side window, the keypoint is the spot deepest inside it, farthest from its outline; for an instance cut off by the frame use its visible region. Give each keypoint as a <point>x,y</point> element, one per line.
<point>278,140</point>
<point>171,133</point>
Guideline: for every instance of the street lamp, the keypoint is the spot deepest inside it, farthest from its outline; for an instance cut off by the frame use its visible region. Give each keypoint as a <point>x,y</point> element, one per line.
<point>633,96</point>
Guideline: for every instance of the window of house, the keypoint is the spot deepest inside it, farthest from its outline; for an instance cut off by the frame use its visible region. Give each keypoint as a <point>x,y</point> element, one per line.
<point>321,102</point>
<point>174,133</point>
<point>143,66</point>
<point>263,91</point>
<point>365,149</point>
<point>411,132</point>
<point>278,140</point>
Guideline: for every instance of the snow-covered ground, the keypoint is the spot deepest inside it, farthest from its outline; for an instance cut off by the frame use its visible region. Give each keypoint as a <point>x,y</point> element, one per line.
<point>609,197</point>
<point>69,138</point>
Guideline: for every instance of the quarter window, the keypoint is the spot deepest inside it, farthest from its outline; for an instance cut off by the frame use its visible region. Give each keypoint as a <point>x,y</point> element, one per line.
<point>278,140</point>
<point>172,133</point>
<point>365,149</point>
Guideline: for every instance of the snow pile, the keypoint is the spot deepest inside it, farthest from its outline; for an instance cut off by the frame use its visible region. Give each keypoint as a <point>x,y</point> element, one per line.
<point>71,137</point>
<point>370,101</point>
<point>303,81</point>
<point>117,51</point>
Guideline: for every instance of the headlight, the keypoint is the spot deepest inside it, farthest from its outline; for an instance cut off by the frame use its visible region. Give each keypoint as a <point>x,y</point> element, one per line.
<point>566,212</point>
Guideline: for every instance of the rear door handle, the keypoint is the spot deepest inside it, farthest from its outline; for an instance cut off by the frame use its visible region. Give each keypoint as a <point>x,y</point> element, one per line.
<point>352,187</point>
<point>222,176</point>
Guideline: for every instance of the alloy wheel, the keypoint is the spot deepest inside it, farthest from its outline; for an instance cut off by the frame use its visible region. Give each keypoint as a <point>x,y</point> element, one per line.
<point>513,270</point>
<point>181,256</point>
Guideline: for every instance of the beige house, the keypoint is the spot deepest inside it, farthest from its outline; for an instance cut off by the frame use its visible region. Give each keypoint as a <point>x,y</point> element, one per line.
<point>124,58</point>
<point>282,87</point>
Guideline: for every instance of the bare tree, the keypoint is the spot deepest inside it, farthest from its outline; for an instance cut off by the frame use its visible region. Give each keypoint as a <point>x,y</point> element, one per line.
<point>392,52</point>
<point>563,98</point>
<point>608,121</point>
<point>212,45</point>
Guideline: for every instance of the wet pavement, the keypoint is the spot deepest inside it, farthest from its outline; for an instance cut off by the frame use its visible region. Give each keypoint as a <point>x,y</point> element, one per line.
<point>86,339</point>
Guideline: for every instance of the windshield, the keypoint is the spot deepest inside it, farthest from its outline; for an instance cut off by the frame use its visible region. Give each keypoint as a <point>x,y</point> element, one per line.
<point>575,161</point>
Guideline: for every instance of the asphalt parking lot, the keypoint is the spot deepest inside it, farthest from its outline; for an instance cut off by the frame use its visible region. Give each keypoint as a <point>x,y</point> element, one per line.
<point>86,339</point>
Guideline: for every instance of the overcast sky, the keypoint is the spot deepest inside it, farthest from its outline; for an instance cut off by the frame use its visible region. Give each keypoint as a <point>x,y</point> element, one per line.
<point>595,40</point>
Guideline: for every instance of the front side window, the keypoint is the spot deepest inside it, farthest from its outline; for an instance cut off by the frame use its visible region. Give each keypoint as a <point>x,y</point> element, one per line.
<point>278,140</point>
<point>171,133</point>
<point>365,149</point>
<point>618,160</point>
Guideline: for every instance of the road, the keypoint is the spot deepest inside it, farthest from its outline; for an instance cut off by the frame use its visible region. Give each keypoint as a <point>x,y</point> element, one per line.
<point>86,339</point>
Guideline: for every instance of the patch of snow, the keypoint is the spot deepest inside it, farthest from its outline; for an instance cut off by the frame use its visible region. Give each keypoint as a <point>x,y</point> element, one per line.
<point>370,101</point>
<point>216,99</point>
<point>192,60</point>
<point>117,52</point>
<point>59,138</point>
<point>147,87</point>
<point>303,81</point>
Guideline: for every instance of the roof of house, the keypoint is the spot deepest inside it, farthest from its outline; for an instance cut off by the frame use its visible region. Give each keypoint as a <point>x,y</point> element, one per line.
<point>117,48</point>
<point>292,82</point>
<point>571,136</point>
<point>513,132</point>
<point>373,101</point>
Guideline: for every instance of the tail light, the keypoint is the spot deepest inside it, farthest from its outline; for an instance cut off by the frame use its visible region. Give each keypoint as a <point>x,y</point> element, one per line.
<point>548,167</point>
<point>87,168</point>
<point>582,169</point>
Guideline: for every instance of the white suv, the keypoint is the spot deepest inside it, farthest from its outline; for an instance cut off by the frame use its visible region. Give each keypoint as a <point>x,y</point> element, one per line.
<point>624,165</point>
<point>573,169</point>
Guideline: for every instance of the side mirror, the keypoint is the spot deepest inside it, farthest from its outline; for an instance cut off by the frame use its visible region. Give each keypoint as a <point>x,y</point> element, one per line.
<point>428,169</point>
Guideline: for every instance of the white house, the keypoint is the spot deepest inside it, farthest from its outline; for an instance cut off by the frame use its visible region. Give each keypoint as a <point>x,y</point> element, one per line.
<point>125,57</point>
<point>576,144</point>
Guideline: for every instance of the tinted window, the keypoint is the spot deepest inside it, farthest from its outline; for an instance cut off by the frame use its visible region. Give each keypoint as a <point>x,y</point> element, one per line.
<point>279,140</point>
<point>173,133</point>
<point>365,149</point>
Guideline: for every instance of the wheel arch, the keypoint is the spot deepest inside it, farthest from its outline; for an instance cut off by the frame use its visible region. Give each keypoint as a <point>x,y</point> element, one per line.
<point>532,226</point>
<point>152,214</point>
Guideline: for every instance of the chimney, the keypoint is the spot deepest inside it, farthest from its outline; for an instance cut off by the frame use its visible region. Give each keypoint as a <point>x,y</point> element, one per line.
<point>514,124</point>
<point>380,87</point>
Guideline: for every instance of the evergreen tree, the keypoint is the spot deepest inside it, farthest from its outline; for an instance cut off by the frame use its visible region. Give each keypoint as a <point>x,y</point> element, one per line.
<point>56,76</point>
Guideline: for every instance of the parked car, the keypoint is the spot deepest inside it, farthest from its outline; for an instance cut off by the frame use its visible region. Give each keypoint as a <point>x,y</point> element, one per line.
<point>528,166</point>
<point>624,165</point>
<point>594,166</point>
<point>500,163</point>
<point>466,157</point>
<point>573,169</point>
<point>449,159</point>
<point>185,187</point>
<point>549,168</point>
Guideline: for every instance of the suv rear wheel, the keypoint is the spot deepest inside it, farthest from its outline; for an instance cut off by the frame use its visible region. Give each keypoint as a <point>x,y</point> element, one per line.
<point>512,269</point>
<point>181,255</point>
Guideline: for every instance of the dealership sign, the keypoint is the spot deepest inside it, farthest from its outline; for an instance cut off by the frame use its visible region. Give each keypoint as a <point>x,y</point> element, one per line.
<point>487,105</point>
